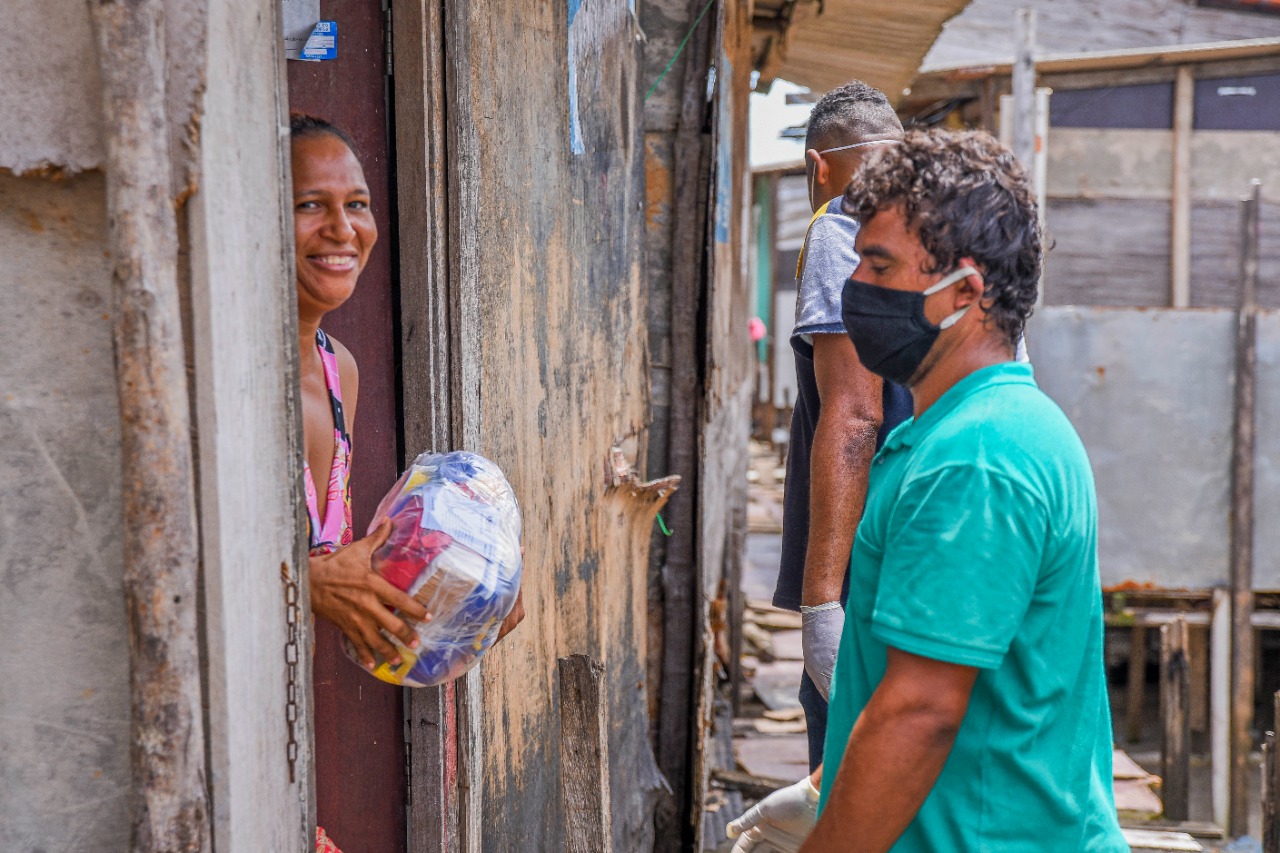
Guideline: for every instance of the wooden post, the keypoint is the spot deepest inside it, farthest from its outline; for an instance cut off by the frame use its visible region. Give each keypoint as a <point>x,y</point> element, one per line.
<point>1198,656</point>
<point>1180,195</point>
<point>681,595</point>
<point>170,803</point>
<point>1024,91</point>
<point>584,755</point>
<point>1175,694</point>
<point>1242,465</point>
<point>987,105</point>
<point>429,354</point>
<point>1137,682</point>
<point>1220,705</point>
<point>1271,787</point>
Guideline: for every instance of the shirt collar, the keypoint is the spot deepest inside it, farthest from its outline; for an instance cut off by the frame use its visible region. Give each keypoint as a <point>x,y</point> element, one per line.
<point>1005,373</point>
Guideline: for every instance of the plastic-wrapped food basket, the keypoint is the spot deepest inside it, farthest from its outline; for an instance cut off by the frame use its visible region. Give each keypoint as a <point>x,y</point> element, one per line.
<point>455,547</point>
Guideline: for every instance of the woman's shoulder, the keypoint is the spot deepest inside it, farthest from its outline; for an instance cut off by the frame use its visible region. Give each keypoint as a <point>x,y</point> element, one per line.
<point>348,372</point>
<point>345,358</point>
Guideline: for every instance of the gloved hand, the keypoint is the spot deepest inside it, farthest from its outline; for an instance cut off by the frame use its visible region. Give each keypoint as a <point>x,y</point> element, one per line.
<point>780,822</point>
<point>822,626</point>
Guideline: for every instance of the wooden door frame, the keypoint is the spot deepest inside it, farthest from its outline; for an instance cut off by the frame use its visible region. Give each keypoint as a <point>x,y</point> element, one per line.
<point>434,151</point>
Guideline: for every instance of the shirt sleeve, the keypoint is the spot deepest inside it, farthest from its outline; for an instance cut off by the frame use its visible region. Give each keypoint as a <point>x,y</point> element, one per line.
<point>962,559</point>
<point>829,260</point>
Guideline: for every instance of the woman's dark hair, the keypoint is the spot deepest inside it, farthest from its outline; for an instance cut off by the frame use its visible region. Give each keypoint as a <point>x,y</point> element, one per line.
<point>965,195</point>
<point>302,126</point>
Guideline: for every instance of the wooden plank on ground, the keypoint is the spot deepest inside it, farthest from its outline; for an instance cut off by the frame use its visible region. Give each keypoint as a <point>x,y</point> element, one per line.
<point>778,684</point>
<point>773,757</point>
<point>1135,800</point>
<point>1144,839</point>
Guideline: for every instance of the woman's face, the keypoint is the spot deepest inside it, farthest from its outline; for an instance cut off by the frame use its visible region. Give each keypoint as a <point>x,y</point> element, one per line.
<point>333,224</point>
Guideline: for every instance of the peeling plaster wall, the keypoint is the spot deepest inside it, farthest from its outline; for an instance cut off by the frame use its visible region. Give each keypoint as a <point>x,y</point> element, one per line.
<point>64,670</point>
<point>64,667</point>
<point>51,94</point>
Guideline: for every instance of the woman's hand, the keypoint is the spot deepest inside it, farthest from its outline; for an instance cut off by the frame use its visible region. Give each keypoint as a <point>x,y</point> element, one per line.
<point>514,618</point>
<point>346,591</point>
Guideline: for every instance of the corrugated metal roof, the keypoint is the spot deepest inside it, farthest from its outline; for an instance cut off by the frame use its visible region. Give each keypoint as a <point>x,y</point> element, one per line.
<point>1114,60</point>
<point>985,34</point>
<point>824,44</point>
<point>959,83</point>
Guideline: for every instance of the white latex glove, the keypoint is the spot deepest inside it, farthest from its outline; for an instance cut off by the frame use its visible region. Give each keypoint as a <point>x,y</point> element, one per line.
<point>780,822</point>
<point>822,626</point>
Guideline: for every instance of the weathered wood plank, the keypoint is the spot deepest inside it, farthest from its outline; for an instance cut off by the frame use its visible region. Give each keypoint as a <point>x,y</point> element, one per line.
<point>252,511</point>
<point>1243,674</point>
<point>1137,682</point>
<point>584,754</point>
<point>1270,829</point>
<point>427,349</point>
<point>1215,256</point>
<point>1271,786</point>
<point>1107,252</point>
<point>692,155</point>
<point>1180,183</point>
<point>161,541</point>
<point>1175,694</point>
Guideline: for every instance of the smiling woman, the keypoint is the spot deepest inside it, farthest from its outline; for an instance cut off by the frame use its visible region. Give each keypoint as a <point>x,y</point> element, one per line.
<point>334,231</point>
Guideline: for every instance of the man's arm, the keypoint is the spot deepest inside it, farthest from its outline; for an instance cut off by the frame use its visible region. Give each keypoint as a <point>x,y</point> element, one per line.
<point>895,753</point>
<point>840,459</point>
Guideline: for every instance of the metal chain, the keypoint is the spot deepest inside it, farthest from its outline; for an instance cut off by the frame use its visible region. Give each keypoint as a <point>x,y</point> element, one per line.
<point>292,619</point>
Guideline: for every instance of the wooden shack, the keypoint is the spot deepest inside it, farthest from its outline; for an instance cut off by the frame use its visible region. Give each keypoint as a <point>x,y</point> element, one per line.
<point>557,285</point>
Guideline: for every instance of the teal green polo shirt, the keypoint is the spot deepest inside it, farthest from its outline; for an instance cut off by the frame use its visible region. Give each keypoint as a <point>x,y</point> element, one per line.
<point>978,546</point>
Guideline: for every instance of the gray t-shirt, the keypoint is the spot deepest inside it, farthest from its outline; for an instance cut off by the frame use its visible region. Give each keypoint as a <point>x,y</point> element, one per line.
<point>826,262</point>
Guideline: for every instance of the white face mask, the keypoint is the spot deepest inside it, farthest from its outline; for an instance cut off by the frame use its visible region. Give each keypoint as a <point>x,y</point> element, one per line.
<point>961,273</point>
<point>859,145</point>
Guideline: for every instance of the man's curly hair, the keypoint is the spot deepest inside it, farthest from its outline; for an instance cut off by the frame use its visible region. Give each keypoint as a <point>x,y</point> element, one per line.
<point>965,195</point>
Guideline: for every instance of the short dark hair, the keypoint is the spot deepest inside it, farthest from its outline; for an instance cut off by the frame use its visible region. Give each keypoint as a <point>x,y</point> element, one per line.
<point>965,195</point>
<point>302,126</point>
<point>851,113</point>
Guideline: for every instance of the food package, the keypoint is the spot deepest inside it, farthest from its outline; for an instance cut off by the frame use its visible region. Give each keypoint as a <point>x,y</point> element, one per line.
<point>455,547</point>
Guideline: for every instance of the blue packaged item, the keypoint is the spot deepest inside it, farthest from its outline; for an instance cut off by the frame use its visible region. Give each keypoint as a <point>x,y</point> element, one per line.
<point>455,547</point>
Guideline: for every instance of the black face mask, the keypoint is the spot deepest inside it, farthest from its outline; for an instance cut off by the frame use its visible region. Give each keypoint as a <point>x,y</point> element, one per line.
<point>888,327</point>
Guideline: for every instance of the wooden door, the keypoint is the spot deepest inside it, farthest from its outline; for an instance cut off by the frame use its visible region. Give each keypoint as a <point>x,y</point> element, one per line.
<point>360,754</point>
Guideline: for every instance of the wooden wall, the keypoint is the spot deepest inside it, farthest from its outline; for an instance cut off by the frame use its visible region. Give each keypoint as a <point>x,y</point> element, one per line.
<point>700,382</point>
<point>1108,216</point>
<point>546,183</point>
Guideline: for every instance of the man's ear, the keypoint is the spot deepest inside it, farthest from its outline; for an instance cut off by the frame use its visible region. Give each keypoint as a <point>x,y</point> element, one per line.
<point>820,168</point>
<point>971,288</point>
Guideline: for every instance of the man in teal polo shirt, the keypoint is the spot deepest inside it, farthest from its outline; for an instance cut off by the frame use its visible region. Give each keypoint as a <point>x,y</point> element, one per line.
<point>968,708</point>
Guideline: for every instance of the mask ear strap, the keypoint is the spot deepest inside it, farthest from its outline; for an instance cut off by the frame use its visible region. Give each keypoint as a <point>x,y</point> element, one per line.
<point>951,319</point>
<point>960,273</point>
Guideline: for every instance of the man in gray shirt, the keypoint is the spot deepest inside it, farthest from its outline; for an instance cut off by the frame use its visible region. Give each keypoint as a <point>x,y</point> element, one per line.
<point>842,411</point>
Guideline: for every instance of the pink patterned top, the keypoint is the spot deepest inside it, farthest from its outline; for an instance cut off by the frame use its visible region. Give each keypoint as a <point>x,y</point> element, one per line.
<point>334,530</point>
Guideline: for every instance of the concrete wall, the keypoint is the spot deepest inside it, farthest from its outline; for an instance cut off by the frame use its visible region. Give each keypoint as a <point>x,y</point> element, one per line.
<point>64,704</point>
<point>64,672</point>
<point>1150,392</point>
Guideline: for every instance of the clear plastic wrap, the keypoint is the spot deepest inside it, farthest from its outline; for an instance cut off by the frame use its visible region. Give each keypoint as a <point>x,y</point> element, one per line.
<point>455,547</point>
